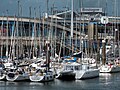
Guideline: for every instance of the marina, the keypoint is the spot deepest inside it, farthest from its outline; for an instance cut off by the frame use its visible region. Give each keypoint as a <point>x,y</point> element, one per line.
<point>60,49</point>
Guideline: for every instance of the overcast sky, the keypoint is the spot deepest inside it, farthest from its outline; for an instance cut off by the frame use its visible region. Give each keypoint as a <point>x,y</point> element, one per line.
<point>12,6</point>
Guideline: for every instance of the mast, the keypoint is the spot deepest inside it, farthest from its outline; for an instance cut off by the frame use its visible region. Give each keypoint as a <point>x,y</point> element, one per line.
<point>71,37</point>
<point>33,43</point>
<point>116,30</point>
<point>12,50</point>
<point>17,46</point>
<point>1,47</point>
<point>35,35</point>
<point>80,5</point>
<point>39,35</point>
<point>21,33</point>
<point>7,37</point>
<point>51,32</point>
<point>64,33</point>
<point>47,44</point>
<point>55,34</point>
<point>76,34</point>
<point>29,49</point>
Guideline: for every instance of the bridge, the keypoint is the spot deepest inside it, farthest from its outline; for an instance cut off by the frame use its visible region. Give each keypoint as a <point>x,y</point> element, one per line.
<point>29,26</point>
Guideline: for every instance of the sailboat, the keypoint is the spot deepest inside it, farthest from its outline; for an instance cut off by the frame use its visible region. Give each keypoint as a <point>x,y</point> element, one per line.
<point>74,69</point>
<point>40,74</point>
<point>62,70</point>
<point>79,69</point>
<point>17,74</point>
<point>40,71</point>
<point>111,65</point>
<point>110,68</point>
<point>83,69</point>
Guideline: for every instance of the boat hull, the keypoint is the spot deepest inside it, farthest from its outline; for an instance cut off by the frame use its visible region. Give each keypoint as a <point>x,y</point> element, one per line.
<point>87,74</point>
<point>2,77</point>
<point>66,75</point>
<point>14,77</point>
<point>44,77</point>
<point>109,69</point>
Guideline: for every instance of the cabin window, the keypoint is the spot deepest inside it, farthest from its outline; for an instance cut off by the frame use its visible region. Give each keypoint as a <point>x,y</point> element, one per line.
<point>69,68</point>
<point>76,68</point>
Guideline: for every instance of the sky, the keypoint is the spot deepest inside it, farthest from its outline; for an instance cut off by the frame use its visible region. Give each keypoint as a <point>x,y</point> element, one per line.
<point>10,7</point>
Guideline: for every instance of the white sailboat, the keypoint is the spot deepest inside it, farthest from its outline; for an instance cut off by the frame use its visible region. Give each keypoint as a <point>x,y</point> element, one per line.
<point>109,68</point>
<point>88,68</point>
<point>83,70</point>
<point>62,72</point>
<point>87,73</point>
<point>77,68</point>
<point>110,65</point>
<point>40,74</point>
<point>78,71</point>
<point>42,77</point>
<point>17,75</point>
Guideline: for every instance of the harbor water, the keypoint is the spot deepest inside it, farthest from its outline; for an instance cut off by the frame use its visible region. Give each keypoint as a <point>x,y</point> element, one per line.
<point>104,82</point>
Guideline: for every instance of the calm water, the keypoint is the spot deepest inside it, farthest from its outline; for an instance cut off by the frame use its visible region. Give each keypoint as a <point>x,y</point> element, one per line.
<point>104,82</point>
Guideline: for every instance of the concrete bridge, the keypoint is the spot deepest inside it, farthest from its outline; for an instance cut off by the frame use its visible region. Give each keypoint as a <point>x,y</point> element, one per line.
<point>35,24</point>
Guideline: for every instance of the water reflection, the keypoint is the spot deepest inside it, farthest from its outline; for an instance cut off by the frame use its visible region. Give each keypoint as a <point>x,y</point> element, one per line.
<point>106,81</point>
